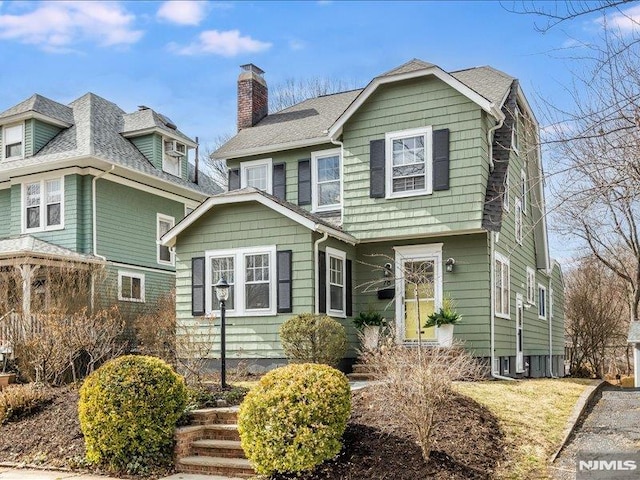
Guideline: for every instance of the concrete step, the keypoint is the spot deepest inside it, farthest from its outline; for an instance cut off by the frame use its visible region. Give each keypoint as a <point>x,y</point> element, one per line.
<point>228,431</point>
<point>232,467</point>
<point>360,377</point>
<point>218,448</point>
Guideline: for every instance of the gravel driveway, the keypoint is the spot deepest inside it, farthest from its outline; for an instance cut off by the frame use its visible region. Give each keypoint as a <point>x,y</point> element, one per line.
<point>612,424</point>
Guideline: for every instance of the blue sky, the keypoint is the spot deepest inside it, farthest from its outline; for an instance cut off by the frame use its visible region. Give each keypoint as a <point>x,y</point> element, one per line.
<point>181,58</point>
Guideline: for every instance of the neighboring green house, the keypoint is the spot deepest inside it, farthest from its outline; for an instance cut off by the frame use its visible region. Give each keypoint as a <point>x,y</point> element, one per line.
<point>89,187</point>
<point>335,202</point>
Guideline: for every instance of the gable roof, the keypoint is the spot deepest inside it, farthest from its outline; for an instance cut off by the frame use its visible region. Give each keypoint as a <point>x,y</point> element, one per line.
<point>250,194</point>
<point>40,105</point>
<point>96,132</point>
<point>318,120</point>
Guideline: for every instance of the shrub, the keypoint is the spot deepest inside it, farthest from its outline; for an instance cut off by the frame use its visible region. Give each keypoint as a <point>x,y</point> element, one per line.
<point>17,401</point>
<point>128,411</point>
<point>294,418</point>
<point>313,339</point>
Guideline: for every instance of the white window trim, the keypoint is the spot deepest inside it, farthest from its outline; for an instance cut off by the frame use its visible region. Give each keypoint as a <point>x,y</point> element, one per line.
<point>504,260</point>
<point>256,163</point>
<point>531,286</point>
<point>140,276</point>
<point>167,139</point>
<point>515,146</point>
<point>517,222</point>
<point>4,144</point>
<point>505,201</point>
<point>550,303</point>
<point>524,190</point>
<point>544,304</point>
<point>332,252</point>
<point>428,183</point>
<point>43,205</point>
<point>314,179</point>
<point>238,255</point>
<point>172,221</point>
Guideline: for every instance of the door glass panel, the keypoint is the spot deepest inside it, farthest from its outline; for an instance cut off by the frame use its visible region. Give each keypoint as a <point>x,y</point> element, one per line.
<point>420,274</point>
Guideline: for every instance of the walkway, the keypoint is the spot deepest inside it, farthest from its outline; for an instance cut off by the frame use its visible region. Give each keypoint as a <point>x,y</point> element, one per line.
<point>612,424</point>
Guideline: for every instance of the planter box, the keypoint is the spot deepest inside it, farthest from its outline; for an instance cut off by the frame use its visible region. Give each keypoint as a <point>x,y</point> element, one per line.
<point>6,379</point>
<point>445,335</point>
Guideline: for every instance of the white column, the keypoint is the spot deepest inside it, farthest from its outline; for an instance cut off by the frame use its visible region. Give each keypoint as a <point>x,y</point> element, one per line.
<point>636,364</point>
<point>27,273</point>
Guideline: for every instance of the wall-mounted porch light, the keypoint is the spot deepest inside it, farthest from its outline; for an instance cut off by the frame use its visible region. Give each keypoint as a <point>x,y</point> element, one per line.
<point>450,263</point>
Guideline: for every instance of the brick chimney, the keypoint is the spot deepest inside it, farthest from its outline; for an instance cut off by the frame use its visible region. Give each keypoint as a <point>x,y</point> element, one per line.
<point>253,96</point>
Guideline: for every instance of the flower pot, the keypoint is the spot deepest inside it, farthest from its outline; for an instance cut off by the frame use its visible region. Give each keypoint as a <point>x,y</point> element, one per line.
<point>6,379</point>
<point>370,337</point>
<point>445,335</point>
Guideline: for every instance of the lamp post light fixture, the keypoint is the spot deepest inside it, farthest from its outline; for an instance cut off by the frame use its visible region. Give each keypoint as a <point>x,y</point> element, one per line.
<point>222,292</point>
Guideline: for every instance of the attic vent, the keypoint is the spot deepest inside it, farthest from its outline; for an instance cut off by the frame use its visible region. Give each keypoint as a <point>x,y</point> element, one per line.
<point>142,107</point>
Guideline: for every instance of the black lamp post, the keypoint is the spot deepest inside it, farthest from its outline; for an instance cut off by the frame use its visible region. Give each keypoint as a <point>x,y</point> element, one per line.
<point>222,292</point>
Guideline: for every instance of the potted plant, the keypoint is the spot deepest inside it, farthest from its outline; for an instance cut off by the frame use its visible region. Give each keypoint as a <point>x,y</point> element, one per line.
<point>444,319</point>
<point>370,323</point>
<point>5,377</point>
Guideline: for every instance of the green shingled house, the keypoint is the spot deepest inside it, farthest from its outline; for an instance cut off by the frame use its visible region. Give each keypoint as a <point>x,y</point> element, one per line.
<point>331,200</point>
<point>89,186</point>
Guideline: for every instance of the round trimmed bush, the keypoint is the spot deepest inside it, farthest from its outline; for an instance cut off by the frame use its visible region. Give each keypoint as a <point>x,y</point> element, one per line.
<point>128,412</point>
<point>313,339</point>
<point>294,418</point>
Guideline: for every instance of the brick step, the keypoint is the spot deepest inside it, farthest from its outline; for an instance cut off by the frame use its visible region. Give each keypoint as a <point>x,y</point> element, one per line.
<point>228,431</point>
<point>218,448</point>
<point>232,467</point>
<point>208,416</point>
<point>360,377</point>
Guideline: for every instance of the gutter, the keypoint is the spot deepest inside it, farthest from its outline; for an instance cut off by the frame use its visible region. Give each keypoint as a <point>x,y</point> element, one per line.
<point>494,374</point>
<point>550,330</point>
<point>490,142</point>
<point>93,206</point>
<point>316,249</point>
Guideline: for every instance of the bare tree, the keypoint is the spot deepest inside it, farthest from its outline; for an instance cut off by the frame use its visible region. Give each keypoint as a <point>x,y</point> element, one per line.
<point>292,90</point>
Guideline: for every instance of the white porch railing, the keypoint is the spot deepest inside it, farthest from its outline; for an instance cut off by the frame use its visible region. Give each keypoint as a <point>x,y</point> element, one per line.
<point>13,326</point>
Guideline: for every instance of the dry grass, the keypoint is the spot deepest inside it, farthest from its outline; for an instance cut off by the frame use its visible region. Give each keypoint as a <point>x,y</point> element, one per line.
<point>533,414</point>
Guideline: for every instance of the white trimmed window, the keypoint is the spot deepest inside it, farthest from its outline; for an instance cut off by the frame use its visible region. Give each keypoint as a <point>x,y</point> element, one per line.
<point>409,162</point>
<point>130,286</point>
<point>531,286</point>
<point>43,208</point>
<point>336,281</point>
<point>501,287</point>
<point>523,190</point>
<point>327,180</point>
<point>542,302</point>
<point>251,274</point>
<point>173,153</point>
<point>257,174</point>
<point>165,223</point>
<point>515,131</point>
<point>518,220</point>
<point>13,141</point>
<point>505,203</point>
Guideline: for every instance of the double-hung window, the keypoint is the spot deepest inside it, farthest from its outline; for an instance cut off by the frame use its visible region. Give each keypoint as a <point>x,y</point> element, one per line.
<point>42,205</point>
<point>501,287</point>
<point>409,162</point>
<point>505,203</point>
<point>327,188</point>
<point>523,190</point>
<point>531,286</point>
<point>518,220</point>
<point>13,139</point>
<point>542,302</point>
<point>165,223</point>
<point>250,273</point>
<point>336,282</point>
<point>515,131</point>
<point>257,174</point>
<point>130,287</point>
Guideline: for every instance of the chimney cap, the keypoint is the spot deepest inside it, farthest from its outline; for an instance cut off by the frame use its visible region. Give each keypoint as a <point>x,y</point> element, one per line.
<point>250,67</point>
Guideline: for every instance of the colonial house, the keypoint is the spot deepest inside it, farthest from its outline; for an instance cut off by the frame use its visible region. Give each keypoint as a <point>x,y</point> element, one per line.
<point>87,187</point>
<point>334,202</point>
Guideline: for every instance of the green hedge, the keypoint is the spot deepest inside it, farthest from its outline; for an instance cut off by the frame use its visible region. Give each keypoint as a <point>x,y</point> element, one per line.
<point>313,338</point>
<point>294,418</point>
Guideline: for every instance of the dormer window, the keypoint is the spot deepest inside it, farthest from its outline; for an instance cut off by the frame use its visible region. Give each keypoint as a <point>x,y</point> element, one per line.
<point>13,139</point>
<point>172,157</point>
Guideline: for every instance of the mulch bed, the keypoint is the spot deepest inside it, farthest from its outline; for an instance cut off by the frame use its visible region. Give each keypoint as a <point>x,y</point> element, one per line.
<point>468,443</point>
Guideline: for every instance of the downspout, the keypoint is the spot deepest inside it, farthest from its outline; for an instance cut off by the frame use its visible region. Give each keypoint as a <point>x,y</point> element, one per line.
<point>550,332</point>
<point>316,250</point>
<point>95,228</point>
<point>337,142</point>
<point>490,142</point>
<point>494,374</point>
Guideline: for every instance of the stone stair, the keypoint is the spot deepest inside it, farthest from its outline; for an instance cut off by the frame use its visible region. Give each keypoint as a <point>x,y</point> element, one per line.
<point>360,373</point>
<point>211,445</point>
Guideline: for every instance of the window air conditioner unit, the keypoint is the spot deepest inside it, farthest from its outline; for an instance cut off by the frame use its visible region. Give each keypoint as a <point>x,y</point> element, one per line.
<point>174,149</point>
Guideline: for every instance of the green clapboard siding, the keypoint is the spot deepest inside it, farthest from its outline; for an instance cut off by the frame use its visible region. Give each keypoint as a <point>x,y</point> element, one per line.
<point>127,223</point>
<point>146,145</point>
<point>42,134</point>
<point>5,207</point>
<point>558,317</point>
<point>467,285</point>
<point>247,225</point>
<point>28,138</point>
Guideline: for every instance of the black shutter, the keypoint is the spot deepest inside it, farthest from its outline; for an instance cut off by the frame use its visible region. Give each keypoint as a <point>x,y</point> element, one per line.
<point>322,282</point>
<point>284,281</point>
<point>441,159</point>
<point>234,179</point>
<point>349,286</point>
<point>197,286</point>
<point>376,169</point>
<point>304,182</point>
<point>279,181</point>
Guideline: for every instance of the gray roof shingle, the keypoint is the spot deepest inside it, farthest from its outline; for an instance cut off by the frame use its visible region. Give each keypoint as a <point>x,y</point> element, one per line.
<point>38,103</point>
<point>146,118</point>
<point>492,84</point>
<point>28,245</point>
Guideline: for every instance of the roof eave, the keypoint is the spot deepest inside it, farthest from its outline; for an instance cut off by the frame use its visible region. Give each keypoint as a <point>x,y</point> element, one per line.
<point>145,131</point>
<point>264,149</point>
<point>18,117</point>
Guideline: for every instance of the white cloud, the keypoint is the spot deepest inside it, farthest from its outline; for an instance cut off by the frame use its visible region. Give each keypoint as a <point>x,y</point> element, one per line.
<point>625,20</point>
<point>55,26</point>
<point>183,12</point>
<point>227,44</point>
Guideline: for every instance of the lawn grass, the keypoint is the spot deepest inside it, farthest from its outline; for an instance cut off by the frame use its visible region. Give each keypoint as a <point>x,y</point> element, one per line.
<point>532,414</point>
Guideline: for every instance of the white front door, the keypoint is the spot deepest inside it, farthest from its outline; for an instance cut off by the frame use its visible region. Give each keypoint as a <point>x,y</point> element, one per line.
<point>519,318</point>
<point>418,290</point>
